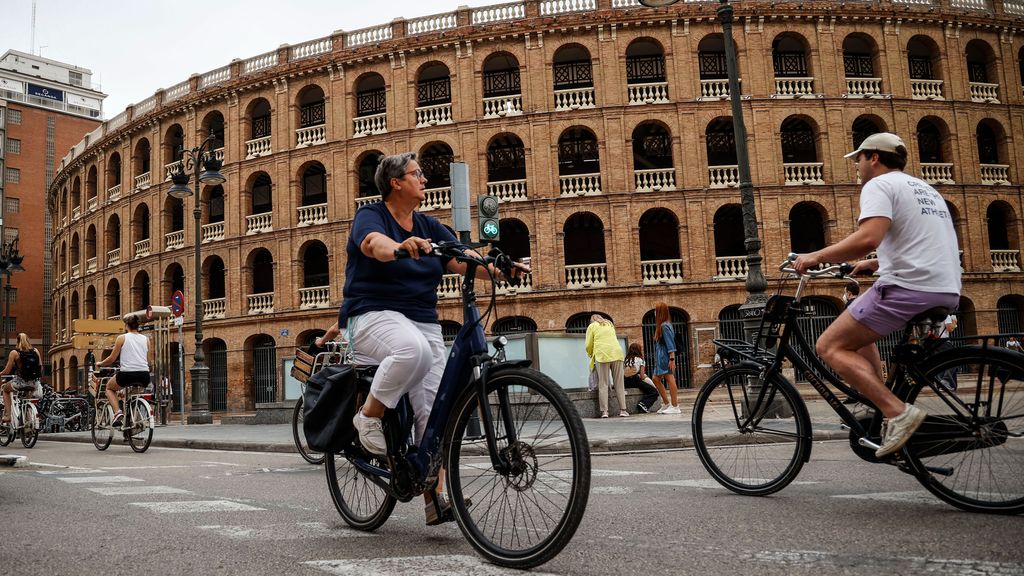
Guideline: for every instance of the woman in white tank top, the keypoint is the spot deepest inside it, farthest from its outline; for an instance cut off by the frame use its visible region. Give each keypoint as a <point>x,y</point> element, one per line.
<point>133,350</point>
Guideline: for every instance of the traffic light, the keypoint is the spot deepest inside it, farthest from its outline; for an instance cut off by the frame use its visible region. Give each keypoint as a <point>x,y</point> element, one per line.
<point>487,218</point>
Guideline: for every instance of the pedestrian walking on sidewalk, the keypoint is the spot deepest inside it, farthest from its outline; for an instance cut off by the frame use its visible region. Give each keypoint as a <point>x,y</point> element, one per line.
<point>634,370</point>
<point>664,372</point>
<point>606,358</point>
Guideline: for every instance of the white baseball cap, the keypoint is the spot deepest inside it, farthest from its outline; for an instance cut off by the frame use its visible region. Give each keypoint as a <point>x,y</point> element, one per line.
<point>880,142</point>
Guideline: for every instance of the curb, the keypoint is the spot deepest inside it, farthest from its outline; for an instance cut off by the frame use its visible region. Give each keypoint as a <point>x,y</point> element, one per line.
<point>13,460</point>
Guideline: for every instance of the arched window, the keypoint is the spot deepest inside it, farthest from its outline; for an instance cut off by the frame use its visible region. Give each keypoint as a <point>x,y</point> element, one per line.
<point>260,125</point>
<point>645,62</point>
<point>923,58</point>
<point>789,57</point>
<point>515,238</point>
<point>315,267</point>
<point>798,141</point>
<point>711,57</point>
<point>806,228</point>
<point>262,272</point>
<point>652,147</point>
<point>721,142</point>
<point>213,123</point>
<point>681,325</point>
<point>433,85</point>
<point>141,291</point>
<point>371,95</point>
<point>584,239</point>
<point>112,298</point>
<point>214,277</point>
<point>365,173</point>
<point>449,330</point>
<point>311,107</point>
<point>863,127</point>
<point>506,161</point>
<point>659,235</point>
<point>314,185</point>
<point>262,199</point>
<point>513,325</point>
<point>434,160</point>
<point>263,364</point>
<point>501,75</point>
<point>578,152</point>
<point>859,56</point>
<point>215,204</point>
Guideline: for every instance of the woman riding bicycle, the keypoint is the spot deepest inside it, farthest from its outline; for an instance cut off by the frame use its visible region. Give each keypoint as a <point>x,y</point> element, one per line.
<point>26,359</point>
<point>133,350</point>
<point>390,305</point>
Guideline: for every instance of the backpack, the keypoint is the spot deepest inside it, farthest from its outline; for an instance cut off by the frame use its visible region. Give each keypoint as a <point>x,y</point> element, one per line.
<point>630,369</point>
<point>30,368</point>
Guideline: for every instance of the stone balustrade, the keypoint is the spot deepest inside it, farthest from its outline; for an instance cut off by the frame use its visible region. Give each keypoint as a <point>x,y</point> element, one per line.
<point>171,169</point>
<point>654,272</point>
<point>367,125</point>
<point>64,277</point>
<point>212,232</point>
<point>995,174</point>
<point>937,172</point>
<point>508,190</point>
<point>552,7</point>
<point>794,87</point>
<point>174,240</point>
<point>580,184</point>
<point>715,89</point>
<point>114,193</point>
<point>434,115</point>
<point>218,154</point>
<point>367,200</point>
<point>311,215</point>
<point>730,267</point>
<point>260,303</point>
<point>449,286</point>
<point>310,136</point>
<point>90,265</point>
<point>863,87</point>
<point>113,257</point>
<point>76,271</point>
<point>499,106</point>
<point>586,275</point>
<point>258,147</point>
<point>215,308</point>
<point>723,176</point>
<point>76,213</point>
<point>257,223</point>
<point>926,89</point>
<point>575,98</point>
<point>142,181</point>
<point>804,173</point>
<point>650,93</point>
<point>1006,260</point>
<point>315,297</point>
<point>654,180</point>
<point>142,248</point>
<point>437,199</point>
<point>93,204</point>
<point>525,285</point>
<point>984,92</point>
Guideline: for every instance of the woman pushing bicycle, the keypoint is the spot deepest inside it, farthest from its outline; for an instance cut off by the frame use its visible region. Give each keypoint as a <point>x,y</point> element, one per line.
<point>389,306</point>
<point>918,265</point>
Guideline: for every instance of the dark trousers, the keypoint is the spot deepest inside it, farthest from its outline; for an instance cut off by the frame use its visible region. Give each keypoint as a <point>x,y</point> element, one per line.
<point>650,393</point>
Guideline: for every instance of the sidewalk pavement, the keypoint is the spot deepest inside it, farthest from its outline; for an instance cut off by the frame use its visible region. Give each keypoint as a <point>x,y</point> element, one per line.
<point>636,432</point>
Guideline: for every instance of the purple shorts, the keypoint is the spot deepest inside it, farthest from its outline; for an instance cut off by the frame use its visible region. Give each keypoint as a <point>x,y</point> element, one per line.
<point>886,308</point>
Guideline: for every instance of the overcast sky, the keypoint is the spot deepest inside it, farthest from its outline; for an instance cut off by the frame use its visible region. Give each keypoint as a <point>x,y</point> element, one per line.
<point>135,47</point>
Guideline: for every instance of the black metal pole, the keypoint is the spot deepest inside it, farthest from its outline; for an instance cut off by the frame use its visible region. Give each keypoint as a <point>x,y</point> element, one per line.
<point>200,413</point>
<point>7,314</point>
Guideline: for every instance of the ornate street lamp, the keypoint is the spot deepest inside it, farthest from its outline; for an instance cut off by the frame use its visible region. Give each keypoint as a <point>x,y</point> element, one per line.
<point>202,161</point>
<point>752,309</point>
<point>10,262</point>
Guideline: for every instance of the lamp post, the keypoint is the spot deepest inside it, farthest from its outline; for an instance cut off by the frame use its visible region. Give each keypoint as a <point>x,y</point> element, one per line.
<point>207,171</point>
<point>10,262</point>
<point>756,285</point>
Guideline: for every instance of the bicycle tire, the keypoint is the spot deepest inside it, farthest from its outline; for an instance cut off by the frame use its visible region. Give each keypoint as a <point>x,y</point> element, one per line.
<point>8,436</point>
<point>362,504</point>
<point>102,432</point>
<point>753,460</point>
<point>29,428</point>
<point>972,458</point>
<point>299,437</point>
<point>141,433</point>
<point>550,471</point>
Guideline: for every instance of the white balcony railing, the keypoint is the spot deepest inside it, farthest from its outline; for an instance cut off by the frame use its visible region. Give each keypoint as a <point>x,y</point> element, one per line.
<point>1006,260</point>
<point>995,174</point>
<point>863,87</point>
<point>310,215</point>
<point>171,169</point>
<point>984,92</point>
<point>114,192</point>
<point>449,286</point>
<point>316,297</point>
<point>114,257</point>
<point>580,184</point>
<point>661,271</point>
<point>937,172</point>
<point>64,277</point>
<point>93,204</point>
<point>218,153</point>
<point>498,106</point>
<point>257,223</point>
<point>310,136</point>
<point>174,240</point>
<point>212,232</point>
<point>367,200</point>
<point>214,308</point>
<point>76,271</point>
<point>260,303</point>
<point>90,265</point>
<point>257,147</point>
<point>142,181</point>
<point>76,213</point>
<point>574,98</point>
<point>433,115</point>
<point>586,276</point>
<point>437,199</point>
<point>142,248</point>
<point>508,190</point>
<point>730,267</point>
<point>716,89</point>
<point>367,125</point>
<point>794,87</point>
<point>926,89</point>
<point>804,173</point>
<point>652,93</point>
<point>654,180</point>
<point>525,285</point>
<point>723,176</point>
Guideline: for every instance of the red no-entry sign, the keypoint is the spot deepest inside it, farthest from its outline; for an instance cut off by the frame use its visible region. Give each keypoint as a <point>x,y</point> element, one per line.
<point>177,303</point>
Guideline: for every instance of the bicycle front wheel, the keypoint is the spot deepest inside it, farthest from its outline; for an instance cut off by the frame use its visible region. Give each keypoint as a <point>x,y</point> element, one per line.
<point>299,437</point>
<point>7,435</point>
<point>751,448</point>
<point>102,432</point>
<point>969,452</point>
<point>141,432</point>
<point>525,513</point>
<point>362,504</point>
<point>29,425</point>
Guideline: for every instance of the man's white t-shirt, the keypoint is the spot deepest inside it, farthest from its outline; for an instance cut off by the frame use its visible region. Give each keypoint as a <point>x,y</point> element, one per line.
<point>919,252</point>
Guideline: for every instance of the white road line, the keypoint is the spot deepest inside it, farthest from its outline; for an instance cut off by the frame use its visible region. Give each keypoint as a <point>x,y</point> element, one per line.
<point>915,496</point>
<point>98,479</point>
<point>163,467</point>
<point>69,471</point>
<point>708,483</point>
<point>136,490</point>
<point>416,566</point>
<point>192,506</point>
<point>613,490</point>
<point>287,531</point>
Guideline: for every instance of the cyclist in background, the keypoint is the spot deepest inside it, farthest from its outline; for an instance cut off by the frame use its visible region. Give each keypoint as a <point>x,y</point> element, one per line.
<point>918,265</point>
<point>132,348</point>
<point>26,359</point>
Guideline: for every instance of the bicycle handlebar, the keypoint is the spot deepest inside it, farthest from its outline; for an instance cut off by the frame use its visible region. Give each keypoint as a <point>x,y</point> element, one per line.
<point>841,270</point>
<point>501,261</point>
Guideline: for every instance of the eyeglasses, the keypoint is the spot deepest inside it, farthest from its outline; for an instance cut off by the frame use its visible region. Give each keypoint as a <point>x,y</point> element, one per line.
<point>418,173</point>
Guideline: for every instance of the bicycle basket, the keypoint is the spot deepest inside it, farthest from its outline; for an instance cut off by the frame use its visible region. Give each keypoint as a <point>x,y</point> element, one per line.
<point>303,366</point>
<point>772,319</point>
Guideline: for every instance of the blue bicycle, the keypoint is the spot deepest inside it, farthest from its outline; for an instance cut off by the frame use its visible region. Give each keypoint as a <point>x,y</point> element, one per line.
<point>517,471</point>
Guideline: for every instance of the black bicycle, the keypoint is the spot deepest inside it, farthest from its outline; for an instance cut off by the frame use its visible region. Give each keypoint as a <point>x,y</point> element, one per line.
<point>752,430</point>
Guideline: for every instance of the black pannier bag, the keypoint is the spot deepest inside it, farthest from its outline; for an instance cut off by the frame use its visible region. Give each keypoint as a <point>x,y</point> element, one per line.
<point>328,406</point>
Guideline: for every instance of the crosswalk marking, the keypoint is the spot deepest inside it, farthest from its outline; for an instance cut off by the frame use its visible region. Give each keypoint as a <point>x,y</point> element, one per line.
<point>192,506</point>
<point>708,483</point>
<point>136,490</point>
<point>916,496</point>
<point>98,479</point>
<point>287,531</point>
<point>416,565</point>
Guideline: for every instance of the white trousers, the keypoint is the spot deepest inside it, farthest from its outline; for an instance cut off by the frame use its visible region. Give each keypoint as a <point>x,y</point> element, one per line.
<point>410,355</point>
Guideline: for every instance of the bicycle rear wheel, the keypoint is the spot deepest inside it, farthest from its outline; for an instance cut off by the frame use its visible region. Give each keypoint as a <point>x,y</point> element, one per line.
<point>752,449</point>
<point>141,432</point>
<point>969,452</point>
<point>29,425</point>
<point>102,432</point>
<point>523,516</point>
<point>299,437</point>
<point>361,503</point>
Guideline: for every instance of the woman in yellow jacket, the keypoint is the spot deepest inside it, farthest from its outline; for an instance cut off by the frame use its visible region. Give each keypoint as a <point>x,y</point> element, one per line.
<point>606,357</point>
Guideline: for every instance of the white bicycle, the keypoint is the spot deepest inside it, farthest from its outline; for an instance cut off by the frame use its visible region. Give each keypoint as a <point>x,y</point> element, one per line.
<point>24,420</point>
<point>137,425</point>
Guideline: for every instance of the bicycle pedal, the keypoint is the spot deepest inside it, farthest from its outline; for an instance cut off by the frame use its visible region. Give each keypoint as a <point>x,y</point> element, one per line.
<point>868,443</point>
<point>844,427</point>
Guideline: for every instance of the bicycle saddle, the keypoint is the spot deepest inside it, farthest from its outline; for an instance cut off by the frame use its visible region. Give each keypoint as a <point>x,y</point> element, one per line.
<point>932,315</point>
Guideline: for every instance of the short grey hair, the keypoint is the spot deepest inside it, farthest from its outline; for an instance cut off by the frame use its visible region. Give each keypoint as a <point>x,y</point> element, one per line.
<point>391,167</point>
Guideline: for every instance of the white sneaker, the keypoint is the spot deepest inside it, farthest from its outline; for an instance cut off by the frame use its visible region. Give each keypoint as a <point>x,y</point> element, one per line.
<point>371,434</point>
<point>896,431</point>
<point>663,408</point>
<point>672,410</point>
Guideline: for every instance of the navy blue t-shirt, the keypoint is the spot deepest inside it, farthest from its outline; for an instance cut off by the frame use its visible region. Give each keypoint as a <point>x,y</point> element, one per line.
<point>407,286</point>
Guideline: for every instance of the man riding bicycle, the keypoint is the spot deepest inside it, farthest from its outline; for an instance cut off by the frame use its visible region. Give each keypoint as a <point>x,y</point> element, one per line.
<point>918,264</point>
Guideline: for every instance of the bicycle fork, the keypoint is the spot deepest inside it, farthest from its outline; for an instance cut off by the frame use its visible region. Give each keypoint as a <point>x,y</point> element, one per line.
<point>499,458</point>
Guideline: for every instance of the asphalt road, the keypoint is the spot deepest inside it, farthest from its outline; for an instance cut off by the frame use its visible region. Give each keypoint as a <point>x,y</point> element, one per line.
<point>77,511</point>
